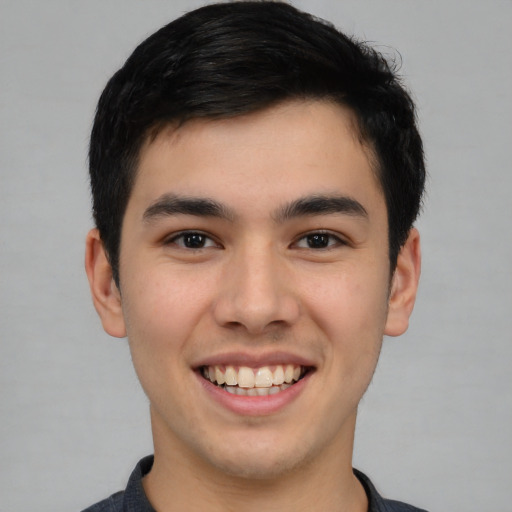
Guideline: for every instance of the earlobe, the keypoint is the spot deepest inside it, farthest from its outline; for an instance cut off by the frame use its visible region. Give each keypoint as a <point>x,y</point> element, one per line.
<point>404,285</point>
<point>105,294</point>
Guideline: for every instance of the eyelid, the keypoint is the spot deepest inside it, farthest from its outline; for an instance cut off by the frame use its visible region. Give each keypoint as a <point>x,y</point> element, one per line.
<point>171,239</point>
<point>339,240</point>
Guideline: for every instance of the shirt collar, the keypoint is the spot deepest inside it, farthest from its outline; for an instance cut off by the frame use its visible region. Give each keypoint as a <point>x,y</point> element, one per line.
<point>135,499</point>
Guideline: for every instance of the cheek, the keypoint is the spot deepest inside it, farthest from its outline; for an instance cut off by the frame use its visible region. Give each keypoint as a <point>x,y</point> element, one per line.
<point>350,309</point>
<point>161,310</point>
<point>159,319</point>
<point>349,302</point>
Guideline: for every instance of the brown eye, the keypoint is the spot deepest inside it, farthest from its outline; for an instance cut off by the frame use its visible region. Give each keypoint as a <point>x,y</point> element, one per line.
<point>193,240</point>
<point>319,240</point>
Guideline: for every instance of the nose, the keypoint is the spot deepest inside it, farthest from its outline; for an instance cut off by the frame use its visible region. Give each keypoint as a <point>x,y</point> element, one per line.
<point>256,292</point>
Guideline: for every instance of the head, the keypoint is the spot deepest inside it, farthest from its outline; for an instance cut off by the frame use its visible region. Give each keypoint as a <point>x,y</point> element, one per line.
<point>232,59</point>
<point>255,176</point>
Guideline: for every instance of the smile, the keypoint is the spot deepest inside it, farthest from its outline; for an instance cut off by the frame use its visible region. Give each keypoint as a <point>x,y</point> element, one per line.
<point>245,381</point>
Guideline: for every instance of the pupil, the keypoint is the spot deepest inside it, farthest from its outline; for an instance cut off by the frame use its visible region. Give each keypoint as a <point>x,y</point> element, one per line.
<point>194,240</point>
<point>318,241</point>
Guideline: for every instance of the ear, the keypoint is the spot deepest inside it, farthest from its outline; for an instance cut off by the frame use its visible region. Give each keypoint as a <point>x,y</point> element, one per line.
<point>404,285</point>
<point>105,294</point>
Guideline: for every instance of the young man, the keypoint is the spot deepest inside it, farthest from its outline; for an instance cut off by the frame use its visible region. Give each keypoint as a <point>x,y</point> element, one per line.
<point>255,177</point>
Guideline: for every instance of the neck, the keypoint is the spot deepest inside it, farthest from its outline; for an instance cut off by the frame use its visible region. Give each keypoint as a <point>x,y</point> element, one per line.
<point>181,481</point>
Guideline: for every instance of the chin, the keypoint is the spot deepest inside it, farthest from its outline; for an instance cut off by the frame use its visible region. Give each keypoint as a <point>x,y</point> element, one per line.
<point>257,470</point>
<point>259,461</point>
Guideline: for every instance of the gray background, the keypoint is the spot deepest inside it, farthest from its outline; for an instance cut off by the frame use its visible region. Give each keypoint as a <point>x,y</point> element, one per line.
<point>434,428</point>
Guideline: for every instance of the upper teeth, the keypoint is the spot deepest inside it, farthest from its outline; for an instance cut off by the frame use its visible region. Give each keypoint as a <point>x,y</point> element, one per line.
<point>245,377</point>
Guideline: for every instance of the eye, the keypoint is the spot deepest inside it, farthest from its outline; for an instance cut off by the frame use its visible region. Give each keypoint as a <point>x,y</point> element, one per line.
<point>192,240</point>
<point>319,240</point>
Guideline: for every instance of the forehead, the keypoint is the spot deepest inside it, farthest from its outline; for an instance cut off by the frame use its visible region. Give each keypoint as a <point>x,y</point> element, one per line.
<point>293,149</point>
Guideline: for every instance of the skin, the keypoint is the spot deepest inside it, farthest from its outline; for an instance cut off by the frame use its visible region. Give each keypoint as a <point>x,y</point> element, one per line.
<point>259,286</point>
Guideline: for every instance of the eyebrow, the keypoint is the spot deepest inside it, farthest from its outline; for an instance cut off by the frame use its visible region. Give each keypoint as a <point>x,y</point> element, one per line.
<point>170,204</point>
<point>321,205</point>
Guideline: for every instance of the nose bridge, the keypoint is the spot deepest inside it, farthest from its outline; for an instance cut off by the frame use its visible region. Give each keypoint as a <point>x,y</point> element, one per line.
<point>256,292</point>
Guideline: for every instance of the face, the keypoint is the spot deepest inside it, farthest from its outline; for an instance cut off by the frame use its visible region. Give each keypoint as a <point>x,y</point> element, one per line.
<point>254,287</point>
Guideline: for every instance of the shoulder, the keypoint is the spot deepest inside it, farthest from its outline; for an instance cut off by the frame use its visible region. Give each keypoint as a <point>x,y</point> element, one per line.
<point>112,504</point>
<point>376,503</point>
<point>133,498</point>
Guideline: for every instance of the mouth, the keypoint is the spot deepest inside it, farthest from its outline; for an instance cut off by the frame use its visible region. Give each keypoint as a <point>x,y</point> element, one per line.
<point>261,381</point>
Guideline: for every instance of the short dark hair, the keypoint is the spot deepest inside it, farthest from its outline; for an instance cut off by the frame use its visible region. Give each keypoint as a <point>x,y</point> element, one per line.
<point>229,59</point>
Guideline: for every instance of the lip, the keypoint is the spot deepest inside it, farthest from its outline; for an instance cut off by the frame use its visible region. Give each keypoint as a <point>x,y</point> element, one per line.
<point>254,360</point>
<point>254,405</point>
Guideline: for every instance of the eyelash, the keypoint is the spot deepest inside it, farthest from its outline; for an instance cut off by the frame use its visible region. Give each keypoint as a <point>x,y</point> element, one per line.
<point>333,240</point>
<point>183,234</point>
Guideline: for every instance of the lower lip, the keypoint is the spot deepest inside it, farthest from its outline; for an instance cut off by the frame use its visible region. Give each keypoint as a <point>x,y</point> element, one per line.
<point>254,405</point>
